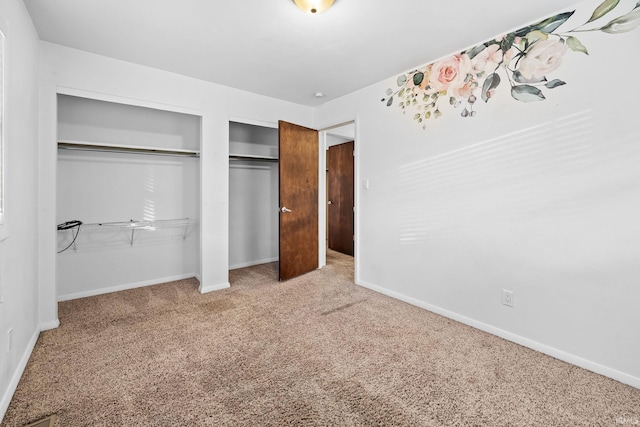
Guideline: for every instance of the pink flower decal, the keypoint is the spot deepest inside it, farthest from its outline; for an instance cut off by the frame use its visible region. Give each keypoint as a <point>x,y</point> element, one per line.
<point>450,73</point>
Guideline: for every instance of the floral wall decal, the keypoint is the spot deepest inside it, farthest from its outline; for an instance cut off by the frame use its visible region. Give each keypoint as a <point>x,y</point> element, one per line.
<point>523,58</point>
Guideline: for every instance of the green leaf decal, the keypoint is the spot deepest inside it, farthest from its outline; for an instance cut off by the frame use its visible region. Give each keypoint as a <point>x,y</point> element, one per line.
<point>491,82</point>
<point>402,80</point>
<point>550,25</point>
<point>575,45</point>
<point>507,42</point>
<point>418,78</point>
<point>390,101</point>
<point>555,83</point>
<point>606,7</point>
<point>547,26</point>
<point>624,23</point>
<point>517,76</point>
<point>472,53</point>
<point>536,35</point>
<point>527,93</point>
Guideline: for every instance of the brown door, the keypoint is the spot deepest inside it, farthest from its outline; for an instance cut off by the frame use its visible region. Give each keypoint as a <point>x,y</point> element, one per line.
<point>298,155</point>
<point>340,197</point>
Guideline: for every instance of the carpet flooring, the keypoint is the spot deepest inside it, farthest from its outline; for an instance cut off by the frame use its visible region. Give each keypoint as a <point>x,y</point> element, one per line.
<point>313,351</point>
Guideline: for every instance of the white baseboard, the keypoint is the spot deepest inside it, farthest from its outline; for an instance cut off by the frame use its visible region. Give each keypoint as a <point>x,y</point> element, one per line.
<point>204,288</point>
<point>15,379</point>
<point>45,326</point>
<point>250,263</point>
<point>526,342</point>
<point>94,292</point>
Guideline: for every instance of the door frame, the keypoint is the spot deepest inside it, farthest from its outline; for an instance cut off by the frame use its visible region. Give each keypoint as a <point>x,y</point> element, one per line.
<point>322,184</point>
<point>322,194</point>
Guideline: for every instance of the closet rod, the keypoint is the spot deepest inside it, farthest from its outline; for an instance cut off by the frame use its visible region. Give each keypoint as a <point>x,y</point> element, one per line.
<point>127,150</point>
<point>236,157</point>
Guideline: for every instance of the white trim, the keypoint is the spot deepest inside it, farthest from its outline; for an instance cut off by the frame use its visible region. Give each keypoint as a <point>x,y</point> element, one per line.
<point>251,263</point>
<point>126,286</point>
<point>204,289</point>
<point>4,227</point>
<point>45,326</point>
<point>518,339</point>
<point>17,374</point>
<point>322,198</point>
<point>322,185</point>
<point>81,93</point>
<point>247,121</point>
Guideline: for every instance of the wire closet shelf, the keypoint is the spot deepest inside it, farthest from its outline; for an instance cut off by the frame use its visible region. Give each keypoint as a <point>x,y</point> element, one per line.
<point>135,225</point>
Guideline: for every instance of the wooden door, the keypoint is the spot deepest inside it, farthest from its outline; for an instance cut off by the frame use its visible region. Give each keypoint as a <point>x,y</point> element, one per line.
<point>340,197</point>
<point>298,154</point>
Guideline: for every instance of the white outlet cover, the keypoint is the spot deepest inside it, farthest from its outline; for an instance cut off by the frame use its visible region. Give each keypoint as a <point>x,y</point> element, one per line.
<point>507,298</point>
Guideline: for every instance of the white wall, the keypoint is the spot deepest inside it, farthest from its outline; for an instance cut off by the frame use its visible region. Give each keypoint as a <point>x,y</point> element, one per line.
<point>18,252</point>
<point>253,196</point>
<point>539,198</point>
<point>80,73</point>
<point>99,187</point>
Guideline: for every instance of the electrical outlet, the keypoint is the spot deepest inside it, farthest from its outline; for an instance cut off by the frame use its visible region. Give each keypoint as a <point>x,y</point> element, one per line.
<point>507,298</point>
<point>9,339</point>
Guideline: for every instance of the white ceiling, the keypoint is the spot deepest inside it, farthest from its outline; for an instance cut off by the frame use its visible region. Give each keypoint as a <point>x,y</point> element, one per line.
<point>271,48</point>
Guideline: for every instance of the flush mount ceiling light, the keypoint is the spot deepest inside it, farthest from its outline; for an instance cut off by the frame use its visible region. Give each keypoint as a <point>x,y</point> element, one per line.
<point>313,6</point>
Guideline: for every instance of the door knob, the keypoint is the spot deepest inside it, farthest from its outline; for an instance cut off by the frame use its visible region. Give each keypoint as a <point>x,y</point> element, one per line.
<point>329,202</point>
<point>284,209</point>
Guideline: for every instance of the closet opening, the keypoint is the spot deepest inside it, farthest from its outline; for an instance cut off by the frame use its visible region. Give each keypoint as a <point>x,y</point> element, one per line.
<point>254,211</point>
<point>253,195</point>
<point>127,196</point>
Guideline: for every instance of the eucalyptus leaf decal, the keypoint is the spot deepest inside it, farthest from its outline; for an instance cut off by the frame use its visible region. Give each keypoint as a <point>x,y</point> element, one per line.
<point>507,42</point>
<point>552,24</point>
<point>527,93</point>
<point>491,82</point>
<point>524,59</point>
<point>518,77</point>
<point>575,45</point>
<point>547,26</point>
<point>536,35</point>
<point>606,7</point>
<point>418,78</point>
<point>554,84</point>
<point>624,23</point>
<point>476,50</point>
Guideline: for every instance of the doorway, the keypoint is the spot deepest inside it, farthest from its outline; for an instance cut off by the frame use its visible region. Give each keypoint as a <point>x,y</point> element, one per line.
<point>340,200</point>
<point>340,145</point>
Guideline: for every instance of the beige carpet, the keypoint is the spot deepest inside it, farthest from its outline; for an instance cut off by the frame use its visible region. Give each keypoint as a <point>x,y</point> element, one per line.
<point>316,350</point>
